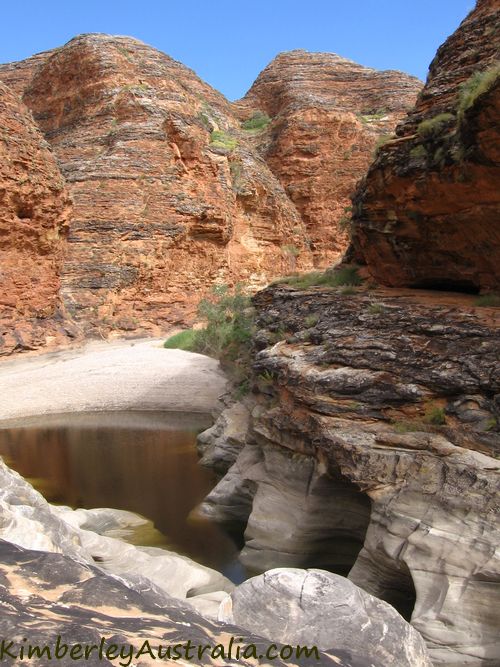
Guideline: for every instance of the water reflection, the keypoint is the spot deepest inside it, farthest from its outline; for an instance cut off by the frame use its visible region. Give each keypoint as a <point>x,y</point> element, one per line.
<point>142,462</point>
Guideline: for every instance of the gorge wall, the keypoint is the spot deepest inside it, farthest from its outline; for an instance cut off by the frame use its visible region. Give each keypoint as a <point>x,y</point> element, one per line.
<point>35,210</point>
<point>369,445</point>
<point>171,193</point>
<point>369,442</point>
<point>328,116</point>
<point>427,213</point>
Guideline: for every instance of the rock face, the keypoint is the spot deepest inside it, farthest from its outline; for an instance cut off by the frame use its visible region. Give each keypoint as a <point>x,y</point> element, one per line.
<point>318,607</point>
<point>328,114</point>
<point>64,572</point>
<point>34,215</point>
<point>172,194</point>
<point>427,212</point>
<point>373,448</point>
<point>87,536</point>
<point>163,207</point>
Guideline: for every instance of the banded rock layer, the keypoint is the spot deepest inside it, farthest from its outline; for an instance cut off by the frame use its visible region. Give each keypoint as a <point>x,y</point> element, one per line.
<point>427,213</point>
<point>372,449</point>
<point>171,194</point>
<point>34,215</point>
<point>328,115</point>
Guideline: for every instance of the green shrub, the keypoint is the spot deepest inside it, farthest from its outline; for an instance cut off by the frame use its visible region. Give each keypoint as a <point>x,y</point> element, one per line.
<point>227,334</point>
<point>418,152</point>
<point>476,85</point>
<point>382,140</point>
<point>491,424</point>
<point>222,140</point>
<point>435,415</point>
<point>347,275</point>
<point>184,340</point>
<point>311,321</point>
<point>406,426</point>
<point>376,308</point>
<point>258,121</point>
<point>488,300</point>
<point>205,120</point>
<point>290,249</point>
<point>433,127</point>
<point>372,116</point>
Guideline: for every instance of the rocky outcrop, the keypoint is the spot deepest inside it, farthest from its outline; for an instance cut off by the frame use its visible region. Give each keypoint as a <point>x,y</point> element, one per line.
<point>172,193</point>
<point>328,115</point>
<point>168,195</point>
<point>426,215</point>
<point>34,215</point>
<point>321,608</point>
<point>66,573</point>
<point>89,536</point>
<point>373,449</point>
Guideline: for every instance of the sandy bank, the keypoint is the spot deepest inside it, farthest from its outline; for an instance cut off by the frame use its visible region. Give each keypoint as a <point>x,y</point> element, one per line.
<point>125,375</point>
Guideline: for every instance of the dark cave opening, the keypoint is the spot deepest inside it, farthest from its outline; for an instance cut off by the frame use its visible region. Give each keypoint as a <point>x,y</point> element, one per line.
<point>399,591</point>
<point>447,285</point>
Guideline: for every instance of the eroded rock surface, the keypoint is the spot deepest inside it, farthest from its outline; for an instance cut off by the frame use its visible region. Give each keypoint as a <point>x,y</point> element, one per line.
<point>34,215</point>
<point>328,115</point>
<point>318,607</point>
<point>163,208</point>
<point>427,212</point>
<point>391,401</point>
<point>172,194</point>
<point>62,573</point>
<point>86,536</point>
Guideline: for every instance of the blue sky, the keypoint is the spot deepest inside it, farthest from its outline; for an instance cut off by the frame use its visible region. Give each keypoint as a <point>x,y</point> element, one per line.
<point>228,42</point>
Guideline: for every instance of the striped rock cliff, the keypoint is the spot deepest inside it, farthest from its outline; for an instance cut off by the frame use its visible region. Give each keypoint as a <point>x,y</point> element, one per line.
<point>34,215</point>
<point>328,114</point>
<point>172,194</point>
<point>427,212</point>
<point>161,210</point>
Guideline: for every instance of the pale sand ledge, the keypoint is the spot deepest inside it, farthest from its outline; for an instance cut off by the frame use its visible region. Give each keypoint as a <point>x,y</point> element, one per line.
<point>124,375</point>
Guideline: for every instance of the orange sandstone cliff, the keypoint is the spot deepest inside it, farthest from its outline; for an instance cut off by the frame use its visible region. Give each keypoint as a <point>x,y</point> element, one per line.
<point>172,193</point>
<point>427,213</point>
<point>328,116</point>
<point>34,214</point>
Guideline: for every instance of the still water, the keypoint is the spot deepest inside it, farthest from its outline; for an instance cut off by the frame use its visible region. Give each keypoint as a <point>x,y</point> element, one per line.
<point>144,462</point>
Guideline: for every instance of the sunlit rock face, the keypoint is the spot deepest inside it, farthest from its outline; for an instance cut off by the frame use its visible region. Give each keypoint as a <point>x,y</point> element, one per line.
<point>171,193</point>
<point>427,213</point>
<point>327,114</point>
<point>161,210</point>
<point>34,215</point>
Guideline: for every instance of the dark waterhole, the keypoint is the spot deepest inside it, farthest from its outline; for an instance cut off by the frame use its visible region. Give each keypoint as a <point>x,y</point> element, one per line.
<point>144,462</point>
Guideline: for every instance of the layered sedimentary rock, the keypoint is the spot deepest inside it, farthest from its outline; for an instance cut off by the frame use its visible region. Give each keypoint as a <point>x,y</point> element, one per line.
<point>328,115</point>
<point>427,212</point>
<point>65,573</point>
<point>373,447</point>
<point>172,194</point>
<point>168,196</point>
<point>34,215</point>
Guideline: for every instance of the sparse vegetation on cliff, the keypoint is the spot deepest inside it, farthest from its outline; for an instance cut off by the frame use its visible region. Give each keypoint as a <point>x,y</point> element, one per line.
<point>432,128</point>
<point>347,275</point>
<point>476,85</point>
<point>492,300</point>
<point>258,121</point>
<point>222,140</point>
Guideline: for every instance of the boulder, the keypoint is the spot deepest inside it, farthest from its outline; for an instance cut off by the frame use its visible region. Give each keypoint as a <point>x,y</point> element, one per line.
<point>318,607</point>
